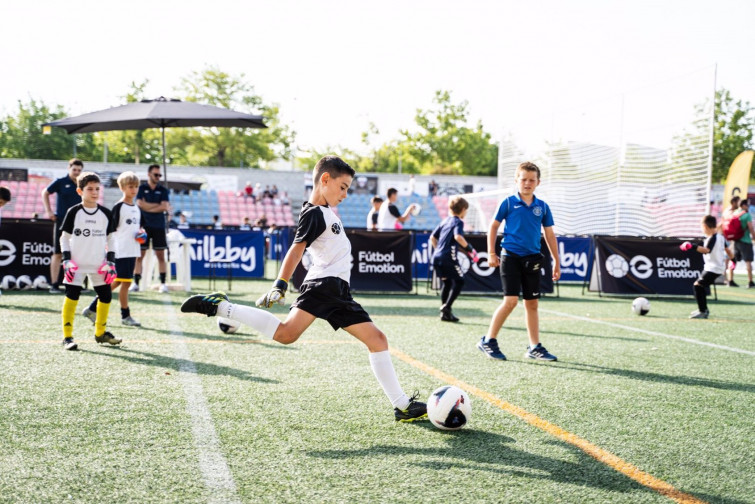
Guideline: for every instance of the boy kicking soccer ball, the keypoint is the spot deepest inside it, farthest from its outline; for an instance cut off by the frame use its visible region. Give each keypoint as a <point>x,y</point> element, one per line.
<point>86,231</point>
<point>325,292</point>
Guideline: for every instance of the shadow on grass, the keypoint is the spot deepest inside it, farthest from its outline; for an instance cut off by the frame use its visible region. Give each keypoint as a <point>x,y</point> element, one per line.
<point>228,338</point>
<point>35,309</point>
<point>656,377</point>
<point>478,450</point>
<point>162,361</point>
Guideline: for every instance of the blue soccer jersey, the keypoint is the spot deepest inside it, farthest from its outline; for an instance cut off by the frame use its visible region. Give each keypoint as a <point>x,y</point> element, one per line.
<point>521,233</point>
<point>444,233</point>
<point>156,195</point>
<point>68,197</point>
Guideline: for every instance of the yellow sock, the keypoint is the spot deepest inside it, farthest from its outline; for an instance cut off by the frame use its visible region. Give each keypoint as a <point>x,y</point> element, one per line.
<point>101,321</point>
<point>69,311</point>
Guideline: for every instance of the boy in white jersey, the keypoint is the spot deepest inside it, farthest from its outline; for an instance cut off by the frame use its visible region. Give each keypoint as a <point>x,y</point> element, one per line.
<point>129,227</point>
<point>714,250</point>
<point>87,244</point>
<point>325,291</point>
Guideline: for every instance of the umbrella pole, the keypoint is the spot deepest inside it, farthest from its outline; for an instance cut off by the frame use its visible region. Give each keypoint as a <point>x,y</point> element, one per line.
<point>165,166</point>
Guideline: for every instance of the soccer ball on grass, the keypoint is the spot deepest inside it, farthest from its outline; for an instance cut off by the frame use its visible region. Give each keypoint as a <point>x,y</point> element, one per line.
<point>449,408</point>
<point>641,306</point>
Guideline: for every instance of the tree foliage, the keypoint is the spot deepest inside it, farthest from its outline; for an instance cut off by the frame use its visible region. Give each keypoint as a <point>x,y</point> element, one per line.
<point>732,131</point>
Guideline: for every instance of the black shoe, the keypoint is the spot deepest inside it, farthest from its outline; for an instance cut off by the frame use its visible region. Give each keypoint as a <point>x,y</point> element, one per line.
<point>107,337</point>
<point>415,411</point>
<point>447,316</point>
<point>204,303</point>
<point>732,283</point>
<point>68,344</point>
<point>751,285</point>
<point>538,352</point>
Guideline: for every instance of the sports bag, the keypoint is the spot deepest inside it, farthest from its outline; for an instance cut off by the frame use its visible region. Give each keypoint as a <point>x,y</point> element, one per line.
<point>732,226</point>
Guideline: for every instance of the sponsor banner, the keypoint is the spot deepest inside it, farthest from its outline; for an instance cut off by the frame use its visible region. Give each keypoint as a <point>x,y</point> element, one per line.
<point>643,266</point>
<point>25,248</point>
<point>575,256</point>
<point>381,262</point>
<point>244,250</point>
<point>421,255</point>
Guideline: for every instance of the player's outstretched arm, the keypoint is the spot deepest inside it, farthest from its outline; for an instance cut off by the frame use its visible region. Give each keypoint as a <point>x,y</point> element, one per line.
<point>550,240</point>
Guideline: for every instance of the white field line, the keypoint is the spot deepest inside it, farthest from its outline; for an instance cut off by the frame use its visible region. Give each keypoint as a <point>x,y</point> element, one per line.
<point>651,333</point>
<point>215,472</point>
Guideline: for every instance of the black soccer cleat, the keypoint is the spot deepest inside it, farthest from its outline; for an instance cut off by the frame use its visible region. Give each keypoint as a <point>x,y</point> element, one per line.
<point>68,344</point>
<point>204,303</point>
<point>107,337</point>
<point>447,316</point>
<point>415,411</point>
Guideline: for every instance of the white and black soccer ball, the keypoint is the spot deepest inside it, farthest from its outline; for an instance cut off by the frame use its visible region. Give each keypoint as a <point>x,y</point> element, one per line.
<point>641,306</point>
<point>41,283</point>
<point>8,282</point>
<point>449,408</point>
<point>228,326</point>
<point>416,209</point>
<point>24,282</point>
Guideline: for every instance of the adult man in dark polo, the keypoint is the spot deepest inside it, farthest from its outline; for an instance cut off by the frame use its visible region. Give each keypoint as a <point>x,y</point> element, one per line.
<point>65,188</point>
<point>153,200</point>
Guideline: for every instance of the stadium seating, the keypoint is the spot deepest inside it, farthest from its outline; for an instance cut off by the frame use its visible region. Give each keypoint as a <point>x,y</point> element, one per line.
<point>353,211</point>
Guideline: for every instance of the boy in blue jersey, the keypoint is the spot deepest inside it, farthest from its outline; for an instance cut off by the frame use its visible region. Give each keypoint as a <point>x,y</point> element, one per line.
<point>325,291</point>
<point>446,239</point>
<point>521,260</point>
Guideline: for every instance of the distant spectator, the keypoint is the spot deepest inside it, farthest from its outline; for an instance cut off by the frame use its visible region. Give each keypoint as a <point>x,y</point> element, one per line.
<point>284,198</point>
<point>412,185</point>
<point>183,222</point>
<point>274,191</point>
<point>372,215</point>
<point>4,197</point>
<point>246,225</point>
<point>248,190</point>
<point>34,216</point>
<point>267,193</point>
<point>433,188</point>
<point>261,222</point>
<point>216,222</point>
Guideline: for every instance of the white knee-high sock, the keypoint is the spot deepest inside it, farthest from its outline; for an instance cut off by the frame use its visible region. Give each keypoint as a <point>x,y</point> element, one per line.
<point>382,366</point>
<point>264,322</point>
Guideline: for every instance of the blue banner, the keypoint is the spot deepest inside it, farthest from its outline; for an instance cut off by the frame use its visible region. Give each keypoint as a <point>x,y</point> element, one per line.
<point>575,254</point>
<point>242,251</point>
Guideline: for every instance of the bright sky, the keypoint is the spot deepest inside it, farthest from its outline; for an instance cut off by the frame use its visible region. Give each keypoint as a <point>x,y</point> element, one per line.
<point>335,66</point>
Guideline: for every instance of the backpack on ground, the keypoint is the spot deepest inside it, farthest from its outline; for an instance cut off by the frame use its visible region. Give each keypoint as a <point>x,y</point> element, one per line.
<point>732,226</point>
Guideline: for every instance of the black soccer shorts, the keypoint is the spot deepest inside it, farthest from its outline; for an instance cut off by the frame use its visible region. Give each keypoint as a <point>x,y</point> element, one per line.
<point>330,299</point>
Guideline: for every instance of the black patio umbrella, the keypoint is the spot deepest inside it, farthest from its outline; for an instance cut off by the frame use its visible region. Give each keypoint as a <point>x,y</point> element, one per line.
<point>159,113</point>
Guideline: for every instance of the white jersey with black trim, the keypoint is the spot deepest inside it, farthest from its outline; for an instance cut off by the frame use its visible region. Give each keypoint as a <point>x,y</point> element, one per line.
<point>715,259</point>
<point>128,220</point>
<point>326,240</point>
<point>388,217</point>
<point>87,233</point>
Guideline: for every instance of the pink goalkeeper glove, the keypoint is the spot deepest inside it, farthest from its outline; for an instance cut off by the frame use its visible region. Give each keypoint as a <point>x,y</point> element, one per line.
<point>732,264</point>
<point>69,270</point>
<point>107,270</point>
<point>686,246</point>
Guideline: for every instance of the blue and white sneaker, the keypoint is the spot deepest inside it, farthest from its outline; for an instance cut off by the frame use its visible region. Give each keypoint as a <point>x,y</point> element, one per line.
<point>538,352</point>
<point>490,349</point>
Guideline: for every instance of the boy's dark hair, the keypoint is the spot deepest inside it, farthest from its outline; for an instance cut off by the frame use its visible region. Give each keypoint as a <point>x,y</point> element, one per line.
<point>457,204</point>
<point>744,202</point>
<point>77,162</point>
<point>391,192</point>
<point>86,177</point>
<point>5,194</point>
<point>734,201</point>
<point>530,167</point>
<point>376,199</point>
<point>332,165</point>
<point>709,221</point>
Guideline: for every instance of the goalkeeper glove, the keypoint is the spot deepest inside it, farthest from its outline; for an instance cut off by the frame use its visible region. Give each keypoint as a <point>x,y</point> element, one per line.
<point>275,295</point>
<point>107,270</point>
<point>472,253</point>
<point>687,246</point>
<point>69,269</point>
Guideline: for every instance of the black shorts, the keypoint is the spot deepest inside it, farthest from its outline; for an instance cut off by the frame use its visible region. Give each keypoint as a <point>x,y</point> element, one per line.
<point>744,251</point>
<point>157,237</point>
<point>521,274</point>
<point>124,269</point>
<point>448,269</point>
<point>56,232</point>
<point>707,278</point>
<point>330,299</point>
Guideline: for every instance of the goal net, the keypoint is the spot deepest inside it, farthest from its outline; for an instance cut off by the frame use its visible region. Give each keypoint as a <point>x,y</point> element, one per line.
<point>635,165</point>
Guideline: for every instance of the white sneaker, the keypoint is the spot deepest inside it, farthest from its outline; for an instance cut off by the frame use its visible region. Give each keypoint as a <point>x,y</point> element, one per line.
<point>134,287</point>
<point>89,314</point>
<point>163,288</point>
<point>130,321</point>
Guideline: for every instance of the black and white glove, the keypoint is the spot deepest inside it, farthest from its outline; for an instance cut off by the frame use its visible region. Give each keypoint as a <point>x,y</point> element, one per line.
<point>275,295</point>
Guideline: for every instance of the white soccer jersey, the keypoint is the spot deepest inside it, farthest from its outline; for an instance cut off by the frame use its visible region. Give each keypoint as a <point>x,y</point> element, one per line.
<point>87,233</point>
<point>128,220</point>
<point>388,217</point>
<point>371,218</point>
<point>715,259</point>
<point>326,241</point>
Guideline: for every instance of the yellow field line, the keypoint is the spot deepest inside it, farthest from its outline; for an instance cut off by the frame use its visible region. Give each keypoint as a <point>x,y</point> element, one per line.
<point>596,452</point>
